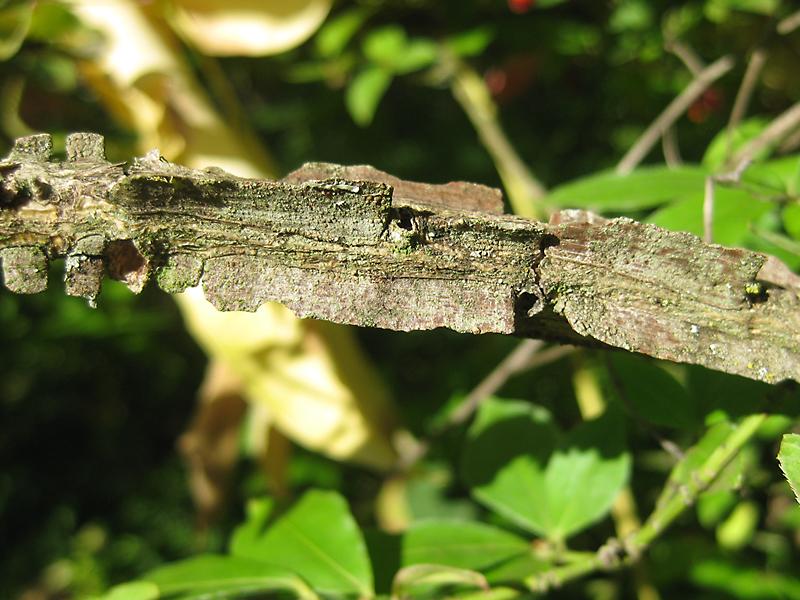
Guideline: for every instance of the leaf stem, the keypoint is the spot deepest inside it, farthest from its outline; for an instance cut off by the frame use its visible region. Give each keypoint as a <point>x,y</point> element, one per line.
<point>614,554</point>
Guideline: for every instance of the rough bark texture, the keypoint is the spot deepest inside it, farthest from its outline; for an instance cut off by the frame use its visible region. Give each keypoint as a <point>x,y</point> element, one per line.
<point>355,245</point>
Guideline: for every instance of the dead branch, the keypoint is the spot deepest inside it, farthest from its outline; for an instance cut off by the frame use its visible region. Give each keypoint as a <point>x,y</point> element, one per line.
<point>354,245</point>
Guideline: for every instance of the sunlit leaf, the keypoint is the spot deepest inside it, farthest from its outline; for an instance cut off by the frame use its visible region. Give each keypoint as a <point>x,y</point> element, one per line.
<point>248,27</point>
<point>365,92</point>
<point>337,32</point>
<point>734,211</point>
<point>738,528</point>
<point>413,581</point>
<point>789,459</point>
<point>471,42</point>
<point>206,574</point>
<point>462,544</point>
<point>135,590</point>
<point>646,187</point>
<point>726,144</point>
<point>517,466</point>
<point>390,48</point>
<point>245,539</point>
<point>791,220</point>
<point>741,581</point>
<point>318,538</point>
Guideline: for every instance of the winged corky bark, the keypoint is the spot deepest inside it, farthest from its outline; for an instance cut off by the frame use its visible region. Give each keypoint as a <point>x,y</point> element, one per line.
<point>355,245</point>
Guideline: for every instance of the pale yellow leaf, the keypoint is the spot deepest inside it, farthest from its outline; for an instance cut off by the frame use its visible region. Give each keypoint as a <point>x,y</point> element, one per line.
<point>248,27</point>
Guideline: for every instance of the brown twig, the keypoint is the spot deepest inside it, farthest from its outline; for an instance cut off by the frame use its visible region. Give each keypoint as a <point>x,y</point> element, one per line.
<point>754,67</point>
<point>524,190</point>
<point>672,112</point>
<point>788,24</point>
<point>777,130</point>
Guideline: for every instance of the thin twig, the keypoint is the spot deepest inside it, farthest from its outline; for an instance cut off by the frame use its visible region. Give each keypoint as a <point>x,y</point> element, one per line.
<point>516,361</point>
<point>522,358</point>
<point>777,130</point>
<point>671,148</point>
<point>615,554</point>
<point>672,112</point>
<point>523,189</point>
<point>708,211</point>
<point>754,67</point>
<point>789,24</point>
<point>687,55</point>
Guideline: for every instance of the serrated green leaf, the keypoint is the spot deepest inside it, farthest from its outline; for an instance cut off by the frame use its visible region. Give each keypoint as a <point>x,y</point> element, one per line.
<point>365,92</point>
<point>646,187</point>
<point>471,42</point>
<point>586,473</point>
<point>461,544</point>
<point>319,538</point>
<point>789,459</point>
<point>416,580</point>
<point>337,32</point>
<point>235,576</point>
<point>516,466</point>
<point>734,211</point>
<point>505,458</point>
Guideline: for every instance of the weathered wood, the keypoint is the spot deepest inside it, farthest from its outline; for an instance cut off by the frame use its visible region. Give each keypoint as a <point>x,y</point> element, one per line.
<point>355,245</point>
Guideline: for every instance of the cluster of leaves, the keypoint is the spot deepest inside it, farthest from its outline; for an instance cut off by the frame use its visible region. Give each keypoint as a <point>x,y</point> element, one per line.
<point>519,499</point>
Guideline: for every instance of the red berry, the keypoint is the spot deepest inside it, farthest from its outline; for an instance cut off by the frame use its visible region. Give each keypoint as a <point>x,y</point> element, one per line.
<point>520,6</point>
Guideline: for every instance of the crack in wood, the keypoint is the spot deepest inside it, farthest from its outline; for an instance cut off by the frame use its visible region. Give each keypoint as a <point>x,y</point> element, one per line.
<point>356,245</point>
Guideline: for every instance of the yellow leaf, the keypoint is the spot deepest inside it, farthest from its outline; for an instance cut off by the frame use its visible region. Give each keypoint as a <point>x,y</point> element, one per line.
<point>248,27</point>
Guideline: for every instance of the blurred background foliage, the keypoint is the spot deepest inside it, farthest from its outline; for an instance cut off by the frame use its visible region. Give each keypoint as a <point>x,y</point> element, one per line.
<point>92,401</point>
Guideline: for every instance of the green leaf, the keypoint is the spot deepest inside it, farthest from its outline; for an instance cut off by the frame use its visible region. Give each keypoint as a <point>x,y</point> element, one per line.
<point>337,32</point>
<point>365,92</point>
<point>734,211</point>
<point>318,538</point>
<point>586,473</point>
<point>683,473</point>
<point>505,458</point>
<point>724,145</point>
<point>738,529</point>
<point>461,544</point>
<point>471,42</point>
<point>791,220</point>
<point>517,569</point>
<point>789,459</point>
<point>134,590</point>
<point>418,580</point>
<point>382,45</point>
<point>235,576</point>
<point>515,465</point>
<point>652,392</point>
<point>742,581</point>
<point>246,537</point>
<point>646,187</point>
<point>390,48</point>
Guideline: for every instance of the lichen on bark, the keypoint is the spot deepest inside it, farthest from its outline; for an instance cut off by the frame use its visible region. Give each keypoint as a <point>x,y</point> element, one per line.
<point>355,245</point>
